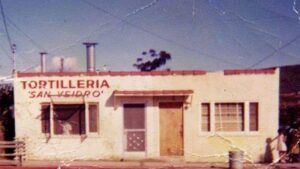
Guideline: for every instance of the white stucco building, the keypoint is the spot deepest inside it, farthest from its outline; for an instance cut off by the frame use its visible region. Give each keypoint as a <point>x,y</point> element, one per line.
<point>196,115</point>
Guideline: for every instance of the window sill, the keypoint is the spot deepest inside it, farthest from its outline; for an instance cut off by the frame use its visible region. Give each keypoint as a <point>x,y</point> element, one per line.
<point>46,137</point>
<point>67,136</point>
<point>233,134</point>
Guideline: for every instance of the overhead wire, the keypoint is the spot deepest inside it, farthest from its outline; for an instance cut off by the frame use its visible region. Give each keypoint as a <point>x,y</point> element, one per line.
<point>264,32</point>
<point>32,41</point>
<point>135,26</point>
<point>49,52</point>
<point>274,52</point>
<point>5,52</point>
<point>235,39</point>
<point>134,12</point>
<point>5,27</point>
<point>272,11</point>
<point>35,43</point>
<point>142,29</point>
<point>270,34</point>
<point>159,36</point>
<point>26,35</point>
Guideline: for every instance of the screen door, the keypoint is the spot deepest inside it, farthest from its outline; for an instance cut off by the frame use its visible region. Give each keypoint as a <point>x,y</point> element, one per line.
<point>134,127</point>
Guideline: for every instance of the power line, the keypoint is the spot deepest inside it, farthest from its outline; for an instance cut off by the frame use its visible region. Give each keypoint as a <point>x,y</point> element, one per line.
<point>36,44</point>
<point>274,52</point>
<point>6,29</point>
<point>79,40</point>
<point>12,46</point>
<point>258,30</point>
<point>25,34</point>
<point>159,36</point>
<point>5,52</point>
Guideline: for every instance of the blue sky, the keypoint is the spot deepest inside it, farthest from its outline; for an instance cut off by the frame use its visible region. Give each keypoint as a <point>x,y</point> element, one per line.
<point>199,34</point>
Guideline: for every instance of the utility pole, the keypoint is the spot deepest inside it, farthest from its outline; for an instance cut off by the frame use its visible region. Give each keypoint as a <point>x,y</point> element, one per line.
<point>13,50</point>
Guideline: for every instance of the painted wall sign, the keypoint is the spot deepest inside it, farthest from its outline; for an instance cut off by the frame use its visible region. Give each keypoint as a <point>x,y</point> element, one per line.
<point>65,88</point>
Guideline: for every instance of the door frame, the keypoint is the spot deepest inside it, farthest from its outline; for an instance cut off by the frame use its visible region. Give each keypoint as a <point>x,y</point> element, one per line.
<point>124,141</point>
<point>183,128</point>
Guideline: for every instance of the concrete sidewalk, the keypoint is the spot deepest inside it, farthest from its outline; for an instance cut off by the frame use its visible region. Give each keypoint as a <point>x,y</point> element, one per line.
<point>150,164</point>
<point>68,164</point>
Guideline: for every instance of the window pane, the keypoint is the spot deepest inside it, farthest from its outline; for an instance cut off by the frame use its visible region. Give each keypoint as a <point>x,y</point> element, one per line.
<point>229,116</point>
<point>253,117</point>
<point>134,116</point>
<point>93,117</point>
<point>45,118</point>
<point>205,117</point>
<point>69,119</point>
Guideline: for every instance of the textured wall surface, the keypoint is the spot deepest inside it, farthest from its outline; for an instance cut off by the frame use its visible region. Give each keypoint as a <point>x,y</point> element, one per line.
<point>212,87</point>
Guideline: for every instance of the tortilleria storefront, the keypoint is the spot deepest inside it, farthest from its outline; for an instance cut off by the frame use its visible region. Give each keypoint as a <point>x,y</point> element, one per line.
<point>193,115</point>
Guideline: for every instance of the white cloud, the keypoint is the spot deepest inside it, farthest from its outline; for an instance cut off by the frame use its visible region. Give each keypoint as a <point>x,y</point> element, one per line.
<point>37,68</point>
<point>53,65</point>
<point>70,64</point>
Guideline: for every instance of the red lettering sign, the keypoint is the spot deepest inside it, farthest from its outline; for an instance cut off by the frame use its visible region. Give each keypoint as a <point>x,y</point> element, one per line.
<point>65,88</point>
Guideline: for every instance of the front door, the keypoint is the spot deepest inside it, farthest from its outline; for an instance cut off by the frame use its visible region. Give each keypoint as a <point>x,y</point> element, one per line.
<point>171,128</point>
<point>134,127</point>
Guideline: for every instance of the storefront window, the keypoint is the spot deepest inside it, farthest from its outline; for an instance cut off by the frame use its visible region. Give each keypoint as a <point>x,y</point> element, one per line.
<point>69,119</point>
<point>229,117</point>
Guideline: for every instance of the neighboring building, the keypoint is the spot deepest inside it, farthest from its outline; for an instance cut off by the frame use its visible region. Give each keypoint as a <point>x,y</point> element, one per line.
<point>289,95</point>
<point>135,115</point>
<point>6,84</point>
<point>7,125</point>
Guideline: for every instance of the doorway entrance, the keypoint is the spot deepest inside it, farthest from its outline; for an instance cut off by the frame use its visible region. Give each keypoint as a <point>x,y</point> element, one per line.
<point>134,127</point>
<point>171,128</point>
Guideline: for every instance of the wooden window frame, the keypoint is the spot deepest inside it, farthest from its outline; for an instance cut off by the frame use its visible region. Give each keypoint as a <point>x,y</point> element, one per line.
<point>256,114</point>
<point>226,114</point>
<point>246,118</point>
<point>208,117</point>
<point>86,116</point>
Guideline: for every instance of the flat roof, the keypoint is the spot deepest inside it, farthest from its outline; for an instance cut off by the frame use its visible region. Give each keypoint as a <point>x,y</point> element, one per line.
<point>147,73</point>
<point>113,73</point>
<point>153,92</point>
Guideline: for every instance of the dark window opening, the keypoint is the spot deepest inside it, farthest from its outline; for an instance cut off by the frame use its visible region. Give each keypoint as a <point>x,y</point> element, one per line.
<point>253,117</point>
<point>45,118</point>
<point>69,119</point>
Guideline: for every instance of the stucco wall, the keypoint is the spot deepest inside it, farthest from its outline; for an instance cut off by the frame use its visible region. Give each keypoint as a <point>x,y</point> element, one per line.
<point>198,146</point>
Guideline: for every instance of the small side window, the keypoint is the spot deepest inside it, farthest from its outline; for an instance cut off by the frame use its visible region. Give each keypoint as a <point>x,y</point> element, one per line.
<point>205,117</point>
<point>93,118</point>
<point>45,118</point>
<point>253,117</point>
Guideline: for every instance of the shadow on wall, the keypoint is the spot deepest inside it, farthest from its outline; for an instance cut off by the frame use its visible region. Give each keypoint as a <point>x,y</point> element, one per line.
<point>110,102</point>
<point>268,155</point>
